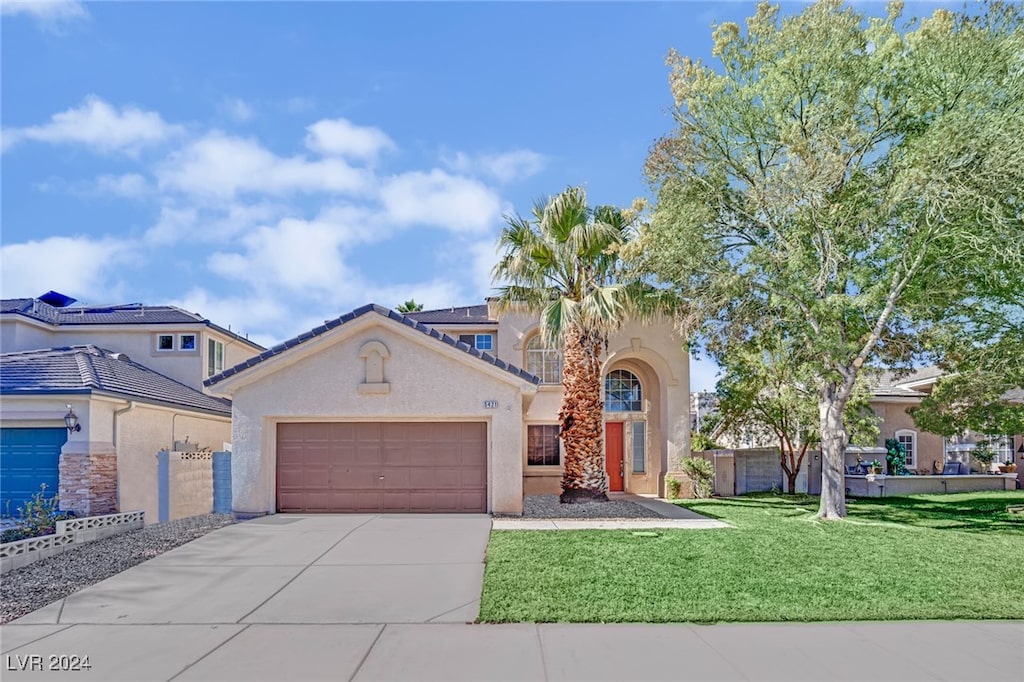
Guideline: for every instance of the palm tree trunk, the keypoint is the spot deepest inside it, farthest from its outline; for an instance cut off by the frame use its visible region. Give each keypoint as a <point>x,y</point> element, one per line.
<point>581,418</point>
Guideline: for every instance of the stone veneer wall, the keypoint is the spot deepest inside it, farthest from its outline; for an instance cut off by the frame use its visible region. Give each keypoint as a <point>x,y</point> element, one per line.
<point>88,483</point>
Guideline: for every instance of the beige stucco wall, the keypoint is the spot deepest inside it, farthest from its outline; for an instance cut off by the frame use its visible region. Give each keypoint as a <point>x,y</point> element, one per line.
<point>656,354</point>
<point>191,484</point>
<point>20,334</point>
<point>320,380</point>
<point>142,433</point>
<point>138,342</point>
<point>895,418</point>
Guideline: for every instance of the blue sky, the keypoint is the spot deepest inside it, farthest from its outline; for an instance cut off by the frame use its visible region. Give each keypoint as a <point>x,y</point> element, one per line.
<point>272,165</point>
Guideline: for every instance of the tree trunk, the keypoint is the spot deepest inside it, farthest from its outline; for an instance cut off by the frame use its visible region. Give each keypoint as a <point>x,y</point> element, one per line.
<point>831,402</point>
<point>581,418</point>
<point>784,452</point>
<point>791,482</point>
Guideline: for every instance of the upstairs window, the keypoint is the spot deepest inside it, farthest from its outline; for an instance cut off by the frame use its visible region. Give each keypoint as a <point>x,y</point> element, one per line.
<point>187,342</point>
<point>622,392</point>
<point>165,342</point>
<point>214,357</point>
<point>479,341</point>
<point>543,362</point>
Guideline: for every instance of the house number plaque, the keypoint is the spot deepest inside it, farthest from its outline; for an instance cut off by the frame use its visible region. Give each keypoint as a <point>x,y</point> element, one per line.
<point>490,404</point>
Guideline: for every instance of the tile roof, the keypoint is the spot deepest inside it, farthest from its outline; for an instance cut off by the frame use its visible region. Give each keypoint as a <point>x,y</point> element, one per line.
<point>85,369</point>
<point>125,314</point>
<point>470,314</point>
<point>407,320</point>
<point>901,384</point>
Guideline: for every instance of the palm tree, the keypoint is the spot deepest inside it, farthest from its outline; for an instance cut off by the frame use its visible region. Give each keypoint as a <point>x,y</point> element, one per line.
<point>565,264</point>
<point>410,306</point>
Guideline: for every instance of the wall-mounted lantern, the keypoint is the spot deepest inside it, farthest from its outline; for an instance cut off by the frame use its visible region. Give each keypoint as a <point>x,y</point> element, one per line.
<point>71,421</point>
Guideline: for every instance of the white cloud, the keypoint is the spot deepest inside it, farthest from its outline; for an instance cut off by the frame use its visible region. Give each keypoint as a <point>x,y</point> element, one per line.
<point>340,137</point>
<point>129,185</point>
<point>236,109</point>
<point>241,313</point>
<point>78,266</point>
<point>98,125</point>
<point>49,13</point>
<point>221,166</point>
<point>506,167</point>
<point>299,255</point>
<point>436,198</point>
<point>182,222</point>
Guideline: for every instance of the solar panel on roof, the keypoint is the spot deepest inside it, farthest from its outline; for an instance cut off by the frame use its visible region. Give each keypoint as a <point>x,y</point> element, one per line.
<point>57,299</point>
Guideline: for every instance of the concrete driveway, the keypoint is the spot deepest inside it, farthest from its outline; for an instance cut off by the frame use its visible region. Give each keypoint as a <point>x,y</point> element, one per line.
<point>389,598</point>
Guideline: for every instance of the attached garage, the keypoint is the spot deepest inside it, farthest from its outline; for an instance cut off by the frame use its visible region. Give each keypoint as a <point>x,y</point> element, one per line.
<point>382,467</point>
<point>29,458</point>
<point>376,413</point>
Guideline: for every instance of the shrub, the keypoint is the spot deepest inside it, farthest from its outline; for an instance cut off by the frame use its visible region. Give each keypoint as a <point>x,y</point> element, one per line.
<point>702,474</point>
<point>896,457</point>
<point>674,487</point>
<point>38,516</point>
<point>699,442</point>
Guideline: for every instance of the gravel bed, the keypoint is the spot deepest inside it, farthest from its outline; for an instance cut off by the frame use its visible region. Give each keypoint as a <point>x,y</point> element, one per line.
<point>548,507</point>
<point>31,587</point>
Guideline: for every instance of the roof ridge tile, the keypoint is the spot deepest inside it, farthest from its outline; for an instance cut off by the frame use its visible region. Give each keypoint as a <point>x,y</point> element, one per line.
<point>359,312</point>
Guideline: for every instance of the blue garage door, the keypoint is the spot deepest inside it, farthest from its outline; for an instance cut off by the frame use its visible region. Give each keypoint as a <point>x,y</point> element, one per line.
<point>28,459</point>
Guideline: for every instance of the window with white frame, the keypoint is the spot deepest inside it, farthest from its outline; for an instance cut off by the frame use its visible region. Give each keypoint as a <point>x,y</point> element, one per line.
<point>165,342</point>
<point>479,341</point>
<point>639,447</point>
<point>543,361</point>
<point>909,440</point>
<point>1002,447</point>
<point>187,342</point>
<point>542,445</point>
<point>214,357</point>
<point>622,392</point>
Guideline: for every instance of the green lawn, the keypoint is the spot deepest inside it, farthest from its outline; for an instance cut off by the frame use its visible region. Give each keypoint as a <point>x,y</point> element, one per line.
<point>920,557</point>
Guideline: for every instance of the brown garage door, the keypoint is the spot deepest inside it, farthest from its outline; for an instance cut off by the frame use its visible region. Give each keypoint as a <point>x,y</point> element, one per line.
<point>382,467</point>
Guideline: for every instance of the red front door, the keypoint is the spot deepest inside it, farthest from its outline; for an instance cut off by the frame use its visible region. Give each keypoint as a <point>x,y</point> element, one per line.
<point>613,455</point>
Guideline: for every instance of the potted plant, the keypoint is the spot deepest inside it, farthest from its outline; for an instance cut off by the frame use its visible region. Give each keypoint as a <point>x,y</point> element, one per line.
<point>1008,467</point>
<point>875,467</point>
<point>984,456</point>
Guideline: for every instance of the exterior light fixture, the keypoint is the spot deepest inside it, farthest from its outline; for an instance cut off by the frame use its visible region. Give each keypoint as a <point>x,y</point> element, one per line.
<point>71,421</point>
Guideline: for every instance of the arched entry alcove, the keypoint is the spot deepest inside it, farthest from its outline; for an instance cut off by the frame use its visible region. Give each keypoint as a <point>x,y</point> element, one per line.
<point>633,425</point>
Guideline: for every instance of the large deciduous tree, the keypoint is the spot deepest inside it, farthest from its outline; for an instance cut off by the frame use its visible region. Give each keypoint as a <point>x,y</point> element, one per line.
<point>564,264</point>
<point>763,389</point>
<point>850,178</point>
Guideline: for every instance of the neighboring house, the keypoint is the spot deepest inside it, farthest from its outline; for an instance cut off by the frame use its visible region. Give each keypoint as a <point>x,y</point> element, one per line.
<point>927,452</point>
<point>181,345</point>
<point>442,410</point>
<point>131,376</point>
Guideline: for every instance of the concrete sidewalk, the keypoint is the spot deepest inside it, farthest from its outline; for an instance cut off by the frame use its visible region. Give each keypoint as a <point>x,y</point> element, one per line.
<point>966,650</point>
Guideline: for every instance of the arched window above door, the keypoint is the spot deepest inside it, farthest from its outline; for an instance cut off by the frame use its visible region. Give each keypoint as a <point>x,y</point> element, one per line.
<point>622,392</point>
